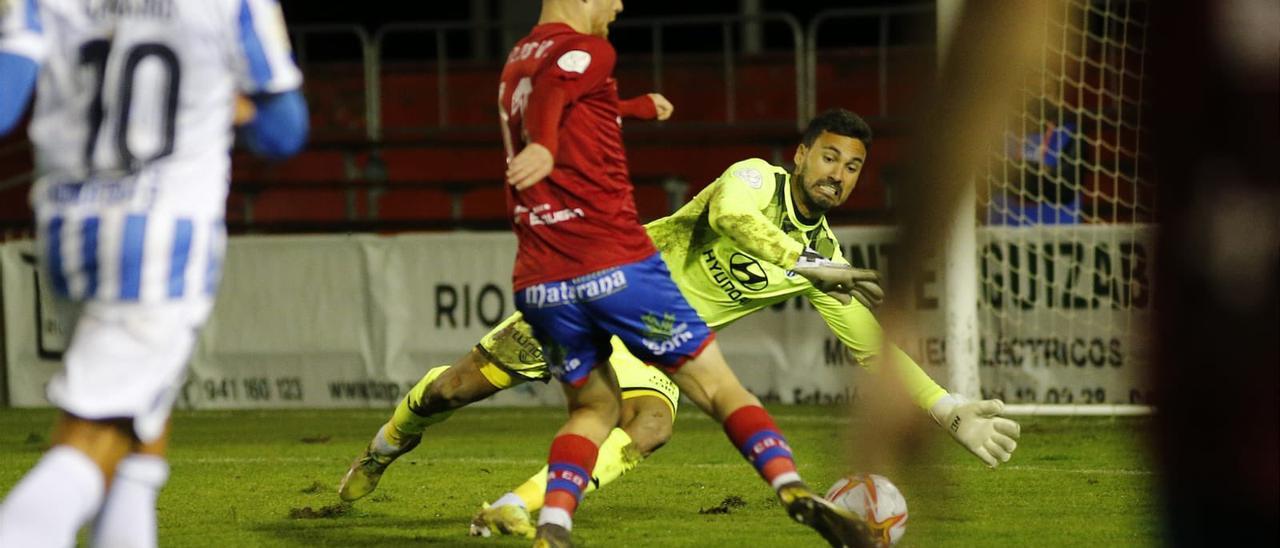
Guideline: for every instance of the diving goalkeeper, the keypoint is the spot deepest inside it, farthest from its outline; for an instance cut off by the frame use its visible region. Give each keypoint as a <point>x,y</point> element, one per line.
<point>754,209</point>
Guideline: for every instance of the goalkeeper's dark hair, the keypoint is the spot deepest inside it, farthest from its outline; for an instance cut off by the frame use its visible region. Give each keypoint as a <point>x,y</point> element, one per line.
<point>840,122</point>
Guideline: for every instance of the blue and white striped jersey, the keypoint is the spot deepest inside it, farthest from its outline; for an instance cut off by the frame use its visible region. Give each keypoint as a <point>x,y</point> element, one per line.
<point>134,86</point>
<point>132,132</point>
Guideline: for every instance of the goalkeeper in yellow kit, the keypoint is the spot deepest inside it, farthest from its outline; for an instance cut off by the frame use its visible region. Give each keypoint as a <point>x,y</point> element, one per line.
<point>755,212</point>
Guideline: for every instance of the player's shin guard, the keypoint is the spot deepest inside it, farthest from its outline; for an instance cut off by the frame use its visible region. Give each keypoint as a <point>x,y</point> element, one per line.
<point>53,501</point>
<point>568,472</point>
<point>405,424</point>
<point>128,517</point>
<point>617,457</point>
<point>752,430</point>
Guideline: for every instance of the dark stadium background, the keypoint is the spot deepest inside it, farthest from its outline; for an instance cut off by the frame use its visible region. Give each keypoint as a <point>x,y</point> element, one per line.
<point>862,33</point>
<point>436,162</point>
<point>385,11</point>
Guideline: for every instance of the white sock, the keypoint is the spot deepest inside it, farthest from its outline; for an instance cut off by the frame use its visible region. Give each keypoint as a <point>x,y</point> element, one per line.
<point>381,446</point>
<point>128,517</point>
<point>52,501</point>
<point>509,499</point>
<point>558,516</point>
<point>785,478</point>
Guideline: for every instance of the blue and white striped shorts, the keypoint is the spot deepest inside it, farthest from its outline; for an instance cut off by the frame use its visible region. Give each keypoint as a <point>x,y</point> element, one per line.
<point>118,255</point>
<point>135,281</point>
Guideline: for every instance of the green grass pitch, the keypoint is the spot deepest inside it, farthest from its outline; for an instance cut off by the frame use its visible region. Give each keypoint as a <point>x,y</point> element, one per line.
<point>269,478</point>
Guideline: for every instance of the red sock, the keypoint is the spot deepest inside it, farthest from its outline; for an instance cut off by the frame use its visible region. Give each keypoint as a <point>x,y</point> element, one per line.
<point>569,467</point>
<point>758,439</point>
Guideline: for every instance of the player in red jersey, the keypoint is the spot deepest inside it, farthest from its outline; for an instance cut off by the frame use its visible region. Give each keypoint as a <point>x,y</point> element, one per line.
<point>562,102</point>
<point>586,270</point>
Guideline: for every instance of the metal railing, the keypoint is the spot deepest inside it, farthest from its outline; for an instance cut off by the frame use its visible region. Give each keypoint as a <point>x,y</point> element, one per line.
<point>727,25</point>
<point>438,32</point>
<point>804,51</point>
<point>882,15</point>
<point>301,34</point>
<point>658,54</point>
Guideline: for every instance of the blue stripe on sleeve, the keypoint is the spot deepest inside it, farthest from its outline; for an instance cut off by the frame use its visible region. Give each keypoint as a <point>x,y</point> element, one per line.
<point>17,81</point>
<point>33,17</point>
<point>181,253</point>
<point>53,256</point>
<point>259,67</point>
<point>135,232</point>
<point>279,130</point>
<point>89,255</point>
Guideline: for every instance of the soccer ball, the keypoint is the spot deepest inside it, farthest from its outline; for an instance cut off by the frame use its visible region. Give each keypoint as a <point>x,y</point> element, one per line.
<point>877,501</point>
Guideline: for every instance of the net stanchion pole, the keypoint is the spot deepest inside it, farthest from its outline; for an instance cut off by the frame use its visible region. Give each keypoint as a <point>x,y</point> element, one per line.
<point>960,270</point>
<point>1078,410</point>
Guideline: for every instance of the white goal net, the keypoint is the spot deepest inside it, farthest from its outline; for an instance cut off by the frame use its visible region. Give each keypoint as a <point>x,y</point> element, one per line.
<point>1066,251</point>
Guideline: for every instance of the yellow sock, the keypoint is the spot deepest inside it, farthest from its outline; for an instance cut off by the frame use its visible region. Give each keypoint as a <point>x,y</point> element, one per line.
<point>617,456</point>
<point>533,489</point>
<point>404,422</point>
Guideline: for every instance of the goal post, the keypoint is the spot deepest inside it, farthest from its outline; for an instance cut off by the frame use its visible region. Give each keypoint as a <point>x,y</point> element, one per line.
<point>960,252</point>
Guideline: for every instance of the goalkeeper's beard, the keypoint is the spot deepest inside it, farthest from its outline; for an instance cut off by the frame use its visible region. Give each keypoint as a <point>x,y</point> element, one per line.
<point>815,205</point>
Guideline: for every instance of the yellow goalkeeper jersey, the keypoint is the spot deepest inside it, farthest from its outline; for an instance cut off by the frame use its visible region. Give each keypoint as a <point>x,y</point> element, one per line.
<point>730,251</point>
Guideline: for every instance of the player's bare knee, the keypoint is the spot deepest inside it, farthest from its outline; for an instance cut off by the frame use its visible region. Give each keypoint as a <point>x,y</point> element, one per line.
<point>609,410</point>
<point>446,393</point>
<point>744,397</point>
<point>603,410</point>
<point>649,432</point>
<point>458,386</point>
<point>158,447</point>
<point>106,442</point>
<point>648,422</point>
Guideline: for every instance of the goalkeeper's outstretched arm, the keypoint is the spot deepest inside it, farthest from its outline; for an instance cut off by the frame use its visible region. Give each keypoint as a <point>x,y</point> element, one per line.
<point>976,425</point>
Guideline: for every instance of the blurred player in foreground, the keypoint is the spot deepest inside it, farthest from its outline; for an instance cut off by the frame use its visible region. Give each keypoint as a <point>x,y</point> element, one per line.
<point>784,210</point>
<point>1219,270</point>
<point>132,135</point>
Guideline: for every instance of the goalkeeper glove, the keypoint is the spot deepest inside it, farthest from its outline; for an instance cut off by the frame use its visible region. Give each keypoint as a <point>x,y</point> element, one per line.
<point>839,280</point>
<point>978,427</point>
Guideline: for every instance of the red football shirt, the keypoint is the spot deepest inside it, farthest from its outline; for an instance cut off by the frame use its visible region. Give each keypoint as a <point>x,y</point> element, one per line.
<point>581,218</point>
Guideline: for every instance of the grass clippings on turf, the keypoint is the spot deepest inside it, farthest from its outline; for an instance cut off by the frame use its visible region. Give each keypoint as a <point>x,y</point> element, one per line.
<point>727,505</point>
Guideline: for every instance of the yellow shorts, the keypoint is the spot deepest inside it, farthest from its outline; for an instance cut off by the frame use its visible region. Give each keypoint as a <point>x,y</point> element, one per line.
<point>513,353</point>
<point>515,356</point>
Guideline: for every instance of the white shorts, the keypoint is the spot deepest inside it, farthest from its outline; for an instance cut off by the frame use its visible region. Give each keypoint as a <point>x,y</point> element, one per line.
<point>135,279</point>
<point>126,360</point>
